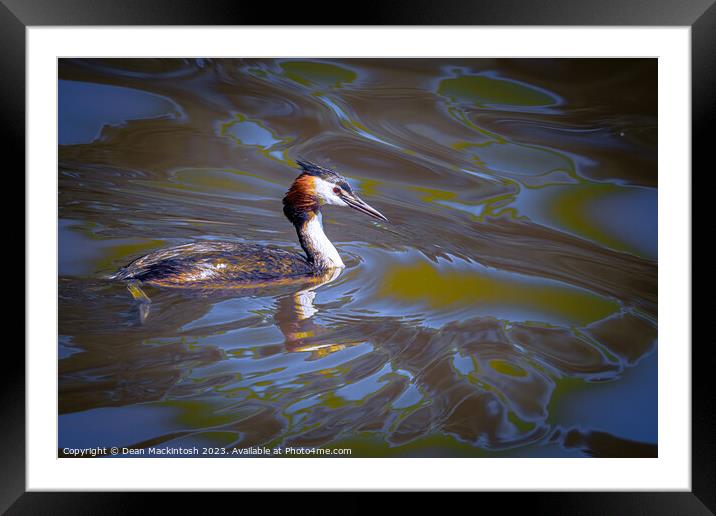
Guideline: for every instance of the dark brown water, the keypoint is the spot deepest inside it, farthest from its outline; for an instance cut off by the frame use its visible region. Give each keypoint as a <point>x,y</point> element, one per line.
<point>508,308</point>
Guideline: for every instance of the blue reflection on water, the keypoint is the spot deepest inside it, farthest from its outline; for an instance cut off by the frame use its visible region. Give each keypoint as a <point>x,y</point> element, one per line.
<point>116,425</point>
<point>633,216</point>
<point>627,409</point>
<point>84,108</point>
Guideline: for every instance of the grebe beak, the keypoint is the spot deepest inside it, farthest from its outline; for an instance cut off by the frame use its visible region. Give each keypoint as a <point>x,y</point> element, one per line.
<point>358,204</point>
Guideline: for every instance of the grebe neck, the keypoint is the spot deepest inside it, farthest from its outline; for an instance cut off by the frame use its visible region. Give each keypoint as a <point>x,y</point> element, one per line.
<point>319,250</point>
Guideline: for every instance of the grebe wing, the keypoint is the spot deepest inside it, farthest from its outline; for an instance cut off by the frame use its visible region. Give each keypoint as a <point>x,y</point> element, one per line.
<point>215,262</point>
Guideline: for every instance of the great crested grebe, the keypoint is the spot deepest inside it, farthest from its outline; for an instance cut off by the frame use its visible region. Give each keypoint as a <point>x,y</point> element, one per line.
<point>212,264</point>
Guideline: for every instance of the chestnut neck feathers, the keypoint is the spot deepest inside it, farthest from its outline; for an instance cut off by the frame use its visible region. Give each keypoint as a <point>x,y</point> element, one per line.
<point>302,207</point>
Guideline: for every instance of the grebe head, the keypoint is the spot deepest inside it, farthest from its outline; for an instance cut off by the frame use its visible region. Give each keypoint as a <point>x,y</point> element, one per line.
<point>315,187</point>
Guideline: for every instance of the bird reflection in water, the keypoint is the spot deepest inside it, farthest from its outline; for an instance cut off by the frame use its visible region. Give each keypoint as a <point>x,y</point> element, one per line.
<point>294,317</point>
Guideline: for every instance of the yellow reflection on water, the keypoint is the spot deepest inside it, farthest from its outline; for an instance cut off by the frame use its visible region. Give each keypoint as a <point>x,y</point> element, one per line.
<point>483,90</point>
<point>310,73</point>
<point>423,283</point>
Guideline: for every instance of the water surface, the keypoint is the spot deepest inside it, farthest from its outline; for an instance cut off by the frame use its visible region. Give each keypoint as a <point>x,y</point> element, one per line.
<point>509,308</point>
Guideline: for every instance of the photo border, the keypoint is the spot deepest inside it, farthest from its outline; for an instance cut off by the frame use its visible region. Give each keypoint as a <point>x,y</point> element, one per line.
<point>700,15</point>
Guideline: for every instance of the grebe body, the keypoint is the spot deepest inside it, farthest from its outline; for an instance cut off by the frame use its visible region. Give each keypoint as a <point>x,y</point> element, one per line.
<point>217,265</point>
<point>214,264</point>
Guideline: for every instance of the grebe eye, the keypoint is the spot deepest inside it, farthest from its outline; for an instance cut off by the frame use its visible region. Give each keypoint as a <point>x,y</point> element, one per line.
<point>336,190</point>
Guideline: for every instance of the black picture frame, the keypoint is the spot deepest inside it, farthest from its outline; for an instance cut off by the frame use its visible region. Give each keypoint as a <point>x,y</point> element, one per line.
<point>700,15</point>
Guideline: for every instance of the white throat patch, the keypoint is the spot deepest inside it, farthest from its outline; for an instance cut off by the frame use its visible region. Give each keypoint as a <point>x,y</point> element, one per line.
<point>326,254</point>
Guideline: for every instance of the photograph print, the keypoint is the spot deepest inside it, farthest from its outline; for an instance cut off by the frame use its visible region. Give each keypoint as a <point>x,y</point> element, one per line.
<point>301,257</point>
